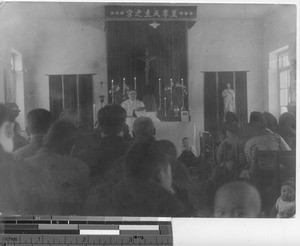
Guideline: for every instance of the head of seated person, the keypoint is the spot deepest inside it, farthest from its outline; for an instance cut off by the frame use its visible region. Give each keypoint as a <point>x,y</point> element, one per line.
<point>14,109</point>
<point>271,121</point>
<point>111,120</point>
<point>232,130</point>
<point>147,164</point>
<point>287,124</point>
<point>186,144</point>
<point>237,200</point>
<point>6,130</point>
<point>143,128</point>
<point>168,147</point>
<point>61,137</point>
<point>38,121</point>
<point>231,117</point>
<point>257,121</point>
<point>68,115</point>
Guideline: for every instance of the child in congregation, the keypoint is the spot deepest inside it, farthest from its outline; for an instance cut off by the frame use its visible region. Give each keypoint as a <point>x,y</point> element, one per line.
<point>285,205</point>
<point>237,200</point>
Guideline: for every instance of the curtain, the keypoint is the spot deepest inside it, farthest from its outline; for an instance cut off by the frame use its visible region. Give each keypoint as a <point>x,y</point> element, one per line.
<point>210,102</point>
<point>85,91</point>
<point>56,97</point>
<point>214,84</point>
<point>241,96</point>
<point>127,42</point>
<point>73,92</point>
<point>70,92</point>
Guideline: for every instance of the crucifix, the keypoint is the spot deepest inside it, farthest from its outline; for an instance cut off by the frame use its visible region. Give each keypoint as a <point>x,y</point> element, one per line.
<point>147,59</point>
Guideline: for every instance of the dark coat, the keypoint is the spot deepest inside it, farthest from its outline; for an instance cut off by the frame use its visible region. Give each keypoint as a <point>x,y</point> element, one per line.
<point>19,186</point>
<point>64,180</point>
<point>131,199</point>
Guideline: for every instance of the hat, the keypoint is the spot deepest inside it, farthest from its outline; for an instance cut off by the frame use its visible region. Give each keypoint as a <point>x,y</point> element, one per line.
<point>290,183</point>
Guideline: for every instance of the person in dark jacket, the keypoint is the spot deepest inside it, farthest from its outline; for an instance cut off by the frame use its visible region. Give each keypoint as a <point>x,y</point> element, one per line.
<point>110,146</point>
<point>146,189</point>
<point>287,129</point>
<point>38,123</point>
<point>64,179</point>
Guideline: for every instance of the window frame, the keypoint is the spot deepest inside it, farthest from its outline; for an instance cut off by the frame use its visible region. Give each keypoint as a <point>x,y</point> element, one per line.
<point>280,70</point>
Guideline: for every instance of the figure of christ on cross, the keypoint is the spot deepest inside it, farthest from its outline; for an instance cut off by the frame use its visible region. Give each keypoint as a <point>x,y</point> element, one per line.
<point>147,59</point>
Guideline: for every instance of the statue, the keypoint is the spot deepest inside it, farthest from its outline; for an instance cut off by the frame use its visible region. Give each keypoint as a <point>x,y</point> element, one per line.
<point>147,59</point>
<point>229,99</point>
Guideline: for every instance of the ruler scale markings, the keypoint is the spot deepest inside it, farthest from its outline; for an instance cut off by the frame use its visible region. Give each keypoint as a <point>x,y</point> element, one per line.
<point>58,227</point>
<point>118,231</point>
<point>98,227</point>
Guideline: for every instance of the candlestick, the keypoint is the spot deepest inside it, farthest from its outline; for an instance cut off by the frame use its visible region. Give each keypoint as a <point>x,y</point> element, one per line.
<point>112,92</point>
<point>94,113</point>
<point>171,92</point>
<point>123,86</point>
<point>159,93</point>
<point>182,95</point>
<point>165,106</point>
<point>134,79</point>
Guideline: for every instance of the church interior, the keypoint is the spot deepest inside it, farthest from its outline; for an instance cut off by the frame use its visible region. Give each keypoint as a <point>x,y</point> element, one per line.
<point>186,65</point>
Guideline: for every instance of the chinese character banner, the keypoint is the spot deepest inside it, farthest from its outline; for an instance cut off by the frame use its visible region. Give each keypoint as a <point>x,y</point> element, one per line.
<point>150,12</point>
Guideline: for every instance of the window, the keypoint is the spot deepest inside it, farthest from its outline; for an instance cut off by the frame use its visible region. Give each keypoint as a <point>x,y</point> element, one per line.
<point>74,92</point>
<point>284,80</point>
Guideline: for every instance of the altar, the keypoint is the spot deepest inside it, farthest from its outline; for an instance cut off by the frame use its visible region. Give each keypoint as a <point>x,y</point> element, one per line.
<point>150,59</point>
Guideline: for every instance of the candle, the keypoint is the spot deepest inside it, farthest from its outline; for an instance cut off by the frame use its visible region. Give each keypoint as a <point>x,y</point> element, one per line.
<point>171,82</point>
<point>123,86</point>
<point>94,113</point>
<point>182,82</point>
<point>159,87</point>
<point>165,106</point>
<point>134,83</point>
<point>112,91</point>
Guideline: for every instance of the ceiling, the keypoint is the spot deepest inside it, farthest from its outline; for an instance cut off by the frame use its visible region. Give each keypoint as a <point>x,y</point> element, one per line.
<point>94,10</point>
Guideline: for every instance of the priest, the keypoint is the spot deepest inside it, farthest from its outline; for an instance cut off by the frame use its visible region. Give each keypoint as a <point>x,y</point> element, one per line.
<point>134,108</point>
<point>132,105</point>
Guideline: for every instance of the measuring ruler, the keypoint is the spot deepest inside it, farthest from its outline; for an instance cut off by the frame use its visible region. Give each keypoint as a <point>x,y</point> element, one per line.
<point>82,230</point>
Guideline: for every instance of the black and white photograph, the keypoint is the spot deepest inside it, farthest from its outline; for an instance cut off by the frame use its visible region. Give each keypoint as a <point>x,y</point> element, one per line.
<point>147,110</point>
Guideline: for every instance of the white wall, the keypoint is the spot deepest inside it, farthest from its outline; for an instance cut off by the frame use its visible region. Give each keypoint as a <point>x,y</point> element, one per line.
<point>49,46</point>
<point>279,30</point>
<point>72,45</point>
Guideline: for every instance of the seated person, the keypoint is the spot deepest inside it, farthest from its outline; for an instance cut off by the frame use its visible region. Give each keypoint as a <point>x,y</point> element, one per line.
<point>99,158</point>
<point>180,175</point>
<point>19,186</point>
<point>287,129</point>
<point>226,149</point>
<point>63,178</point>
<point>230,118</point>
<point>143,131</point>
<point>221,175</point>
<point>271,122</point>
<point>126,133</point>
<point>38,123</point>
<point>146,189</point>
<point>188,154</point>
<point>265,140</point>
<point>70,116</point>
<point>19,140</point>
<point>237,200</point>
<point>285,205</point>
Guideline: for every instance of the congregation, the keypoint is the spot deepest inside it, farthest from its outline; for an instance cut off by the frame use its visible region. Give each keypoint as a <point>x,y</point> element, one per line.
<point>64,170</point>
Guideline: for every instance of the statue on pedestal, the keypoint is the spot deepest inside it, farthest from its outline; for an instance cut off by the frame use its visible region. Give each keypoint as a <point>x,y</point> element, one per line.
<point>229,99</point>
